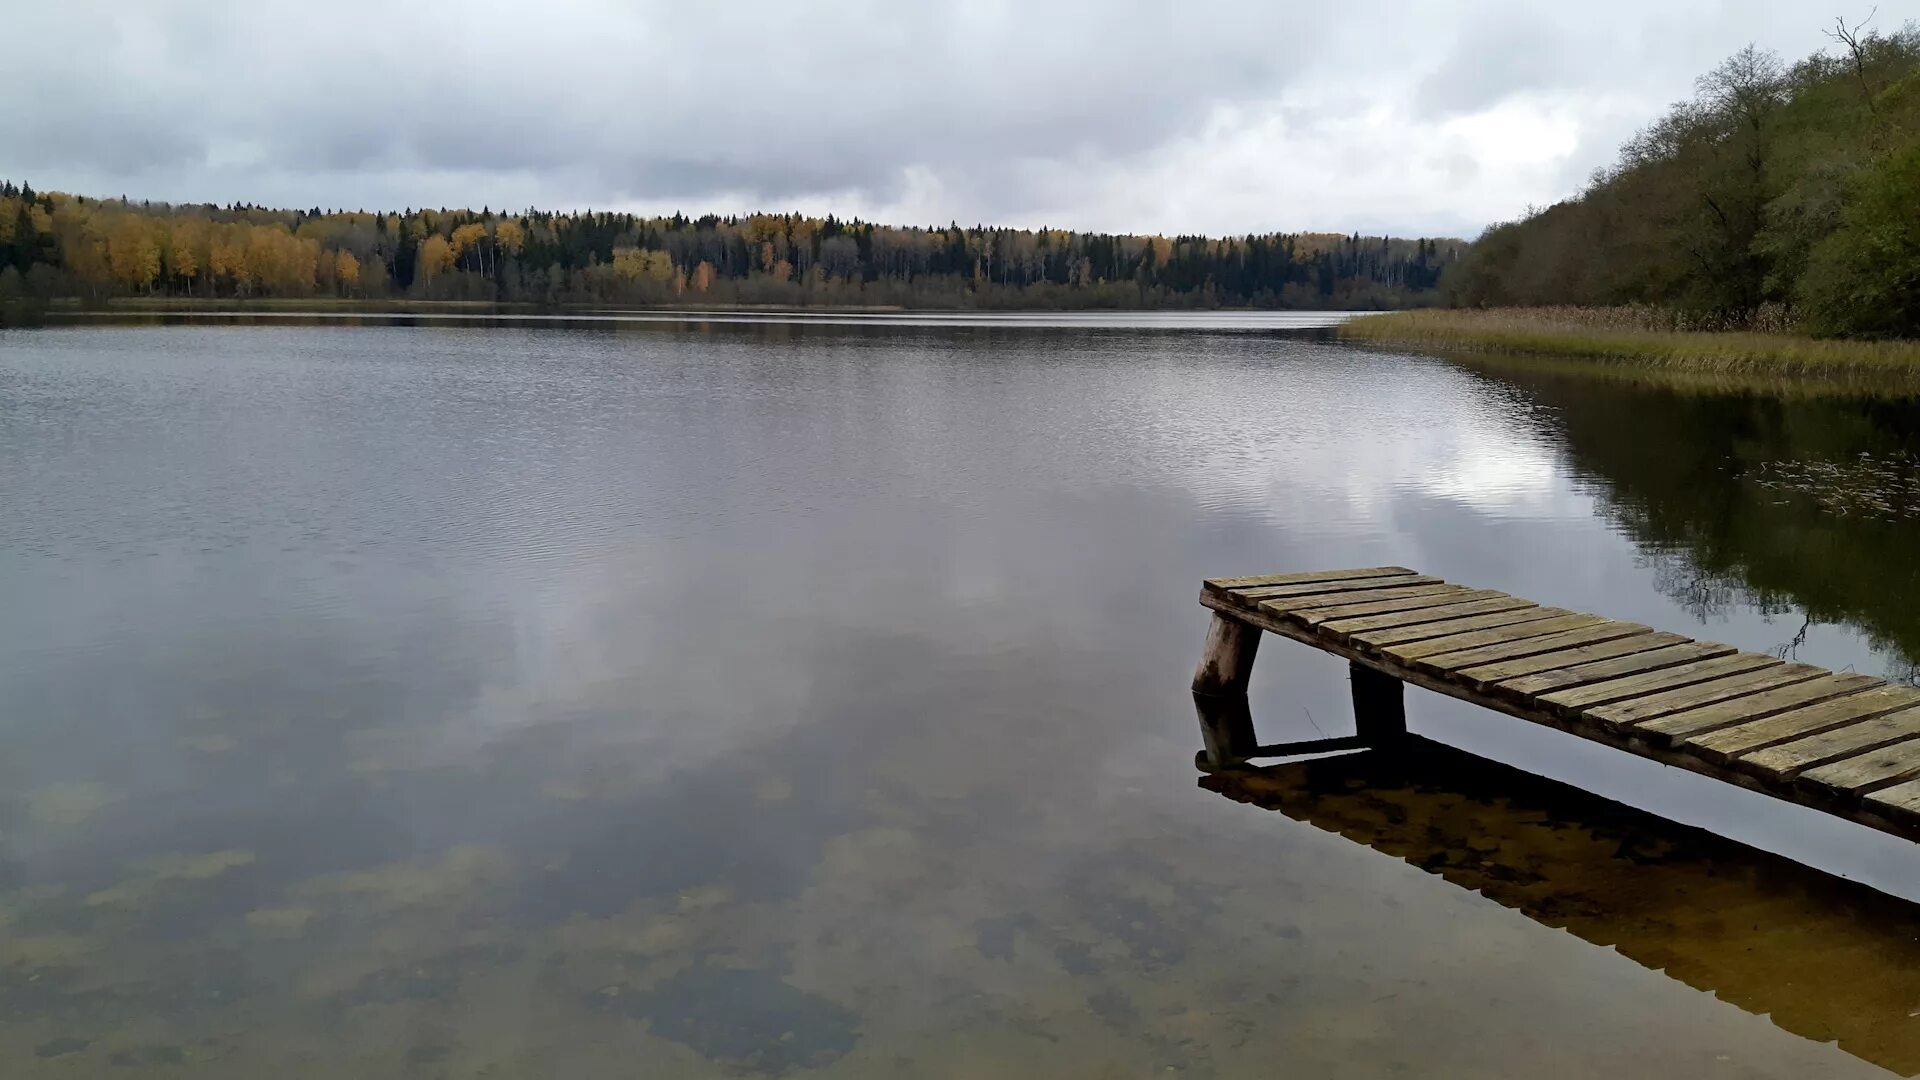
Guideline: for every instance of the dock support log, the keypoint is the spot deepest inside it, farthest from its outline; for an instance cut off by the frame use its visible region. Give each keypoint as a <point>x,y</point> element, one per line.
<point>1379,705</point>
<point>1226,732</point>
<point>1226,661</point>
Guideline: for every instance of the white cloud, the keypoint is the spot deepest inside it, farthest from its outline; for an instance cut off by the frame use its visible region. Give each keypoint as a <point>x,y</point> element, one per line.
<point>1211,115</point>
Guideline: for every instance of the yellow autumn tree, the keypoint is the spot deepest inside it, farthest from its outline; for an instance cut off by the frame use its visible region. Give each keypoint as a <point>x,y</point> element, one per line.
<point>436,258</point>
<point>639,264</point>
<point>132,256</point>
<point>258,254</point>
<point>346,271</point>
<point>227,259</point>
<point>183,253</point>
<point>303,265</point>
<point>84,249</point>
<point>468,238</point>
<point>703,276</point>
<point>509,236</point>
<point>629,264</point>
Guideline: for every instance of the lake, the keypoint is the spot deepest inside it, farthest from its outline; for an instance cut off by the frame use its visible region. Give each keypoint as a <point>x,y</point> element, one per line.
<point>693,696</point>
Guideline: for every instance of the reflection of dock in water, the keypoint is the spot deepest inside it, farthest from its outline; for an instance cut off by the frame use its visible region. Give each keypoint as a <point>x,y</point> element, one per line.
<point>1824,958</point>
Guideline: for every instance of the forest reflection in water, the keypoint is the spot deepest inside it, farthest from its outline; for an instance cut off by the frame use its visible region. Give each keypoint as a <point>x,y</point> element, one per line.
<point>718,698</point>
<point>1799,504</point>
<point>1824,958</point>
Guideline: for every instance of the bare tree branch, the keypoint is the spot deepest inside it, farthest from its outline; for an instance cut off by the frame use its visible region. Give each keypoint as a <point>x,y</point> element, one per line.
<point>1842,34</point>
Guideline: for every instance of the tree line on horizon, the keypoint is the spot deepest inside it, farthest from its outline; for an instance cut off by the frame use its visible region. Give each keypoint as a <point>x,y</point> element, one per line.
<point>1778,195</point>
<point>55,245</point>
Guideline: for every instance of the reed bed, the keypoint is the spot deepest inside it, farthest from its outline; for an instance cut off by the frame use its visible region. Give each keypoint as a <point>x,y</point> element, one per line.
<point>1639,336</point>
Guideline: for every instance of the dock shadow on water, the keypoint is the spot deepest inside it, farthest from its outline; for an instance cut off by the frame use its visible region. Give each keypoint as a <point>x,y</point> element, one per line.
<point>1822,957</point>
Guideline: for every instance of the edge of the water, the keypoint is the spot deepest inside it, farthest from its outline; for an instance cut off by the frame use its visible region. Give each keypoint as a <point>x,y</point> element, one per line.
<point>1708,359</point>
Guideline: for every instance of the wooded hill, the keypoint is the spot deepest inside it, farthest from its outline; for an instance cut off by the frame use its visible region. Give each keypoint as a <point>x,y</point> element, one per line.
<point>1777,195</point>
<point>58,245</point>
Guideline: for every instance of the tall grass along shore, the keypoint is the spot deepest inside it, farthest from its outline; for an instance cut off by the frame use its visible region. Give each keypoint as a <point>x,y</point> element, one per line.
<point>1638,336</point>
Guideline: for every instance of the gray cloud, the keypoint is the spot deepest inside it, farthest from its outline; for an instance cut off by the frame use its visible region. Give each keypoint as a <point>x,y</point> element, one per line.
<point>1492,58</point>
<point>1209,115</point>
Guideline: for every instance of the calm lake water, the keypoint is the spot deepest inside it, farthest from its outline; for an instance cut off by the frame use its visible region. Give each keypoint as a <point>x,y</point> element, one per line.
<point>809,696</point>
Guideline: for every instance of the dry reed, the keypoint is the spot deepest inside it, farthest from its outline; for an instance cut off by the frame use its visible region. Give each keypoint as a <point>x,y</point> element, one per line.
<point>1640,336</point>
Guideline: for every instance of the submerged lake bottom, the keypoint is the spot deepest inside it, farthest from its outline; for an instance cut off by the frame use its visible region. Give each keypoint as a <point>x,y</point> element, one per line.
<point>695,696</point>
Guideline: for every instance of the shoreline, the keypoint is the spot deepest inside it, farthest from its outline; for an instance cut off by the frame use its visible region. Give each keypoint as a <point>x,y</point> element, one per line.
<point>69,311</point>
<point>172,305</point>
<point>1581,335</point>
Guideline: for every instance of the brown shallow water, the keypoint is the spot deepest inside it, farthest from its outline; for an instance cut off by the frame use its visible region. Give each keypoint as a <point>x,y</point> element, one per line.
<point>1819,956</point>
<point>767,698</point>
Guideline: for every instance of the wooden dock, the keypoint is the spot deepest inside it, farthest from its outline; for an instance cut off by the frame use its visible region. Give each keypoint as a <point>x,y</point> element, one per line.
<point>1842,743</point>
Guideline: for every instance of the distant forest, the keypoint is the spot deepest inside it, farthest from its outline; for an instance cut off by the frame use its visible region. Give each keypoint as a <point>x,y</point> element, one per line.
<point>55,245</point>
<point>1778,196</point>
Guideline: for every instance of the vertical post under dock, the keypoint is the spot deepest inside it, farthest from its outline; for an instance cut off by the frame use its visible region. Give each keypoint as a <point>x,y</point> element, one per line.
<point>1379,705</point>
<point>1226,662</point>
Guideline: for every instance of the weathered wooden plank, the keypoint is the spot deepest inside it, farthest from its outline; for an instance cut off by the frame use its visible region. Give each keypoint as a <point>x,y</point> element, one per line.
<point>1458,635</point>
<point>1483,629</point>
<point>1900,802</point>
<point>1411,603</point>
<point>1348,599</point>
<point>1339,630</point>
<point>1484,676</point>
<point>1788,759</point>
<point>1869,771</point>
<point>1676,726</point>
<point>1648,683</point>
<point>1312,588</point>
<point>1653,706</point>
<point>1315,575</point>
<point>1726,742</point>
<point>1606,630</point>
<point>1560,678</point>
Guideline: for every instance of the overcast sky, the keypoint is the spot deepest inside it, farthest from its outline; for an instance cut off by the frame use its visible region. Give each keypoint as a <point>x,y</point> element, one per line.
<point>1215,116</point>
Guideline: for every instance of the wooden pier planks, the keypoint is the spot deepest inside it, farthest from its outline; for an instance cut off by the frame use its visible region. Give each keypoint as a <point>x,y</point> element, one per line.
<point>1843,743</point>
